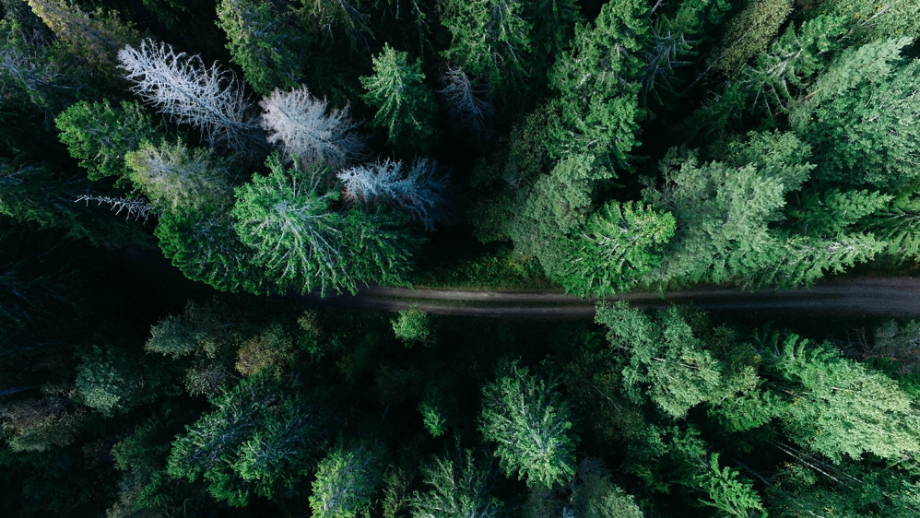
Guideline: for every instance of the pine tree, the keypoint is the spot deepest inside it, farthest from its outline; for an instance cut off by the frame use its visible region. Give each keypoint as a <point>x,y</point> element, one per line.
<point>94,38</point>
<point>530,425</point>
<point>595,496</point>
<point>261,43</point>
<point>782,72</point>
<point>204,246</point>
<point>295,236</point>
<point>310,131</point>
<point>346,481</point>
<point>664,360</point>
<point>258,440</point>
<point>405,105</point>
<point>491,39</point>
<point>597,110</point>
<point>37,72</point>
<point>863,117</point>
<point>191,92</point>
<point>838,407</point>
<point>617,246</point>
<point>100,135</point>
<point>458,489</point>
<point>112,381</point>
<point>748,34</point>
<point>377,245</point>
<point>176,177</point>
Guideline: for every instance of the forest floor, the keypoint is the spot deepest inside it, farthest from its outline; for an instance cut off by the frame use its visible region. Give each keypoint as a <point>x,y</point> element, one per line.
<point>895,297</point>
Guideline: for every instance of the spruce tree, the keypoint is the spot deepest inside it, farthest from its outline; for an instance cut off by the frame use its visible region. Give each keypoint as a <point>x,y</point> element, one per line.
<point>405,105</point>
<point>491,39</point>
<point>263,44</point>
<point>530,425</point>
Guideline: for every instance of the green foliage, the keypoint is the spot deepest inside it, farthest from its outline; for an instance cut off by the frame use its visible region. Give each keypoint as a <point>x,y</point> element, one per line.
<point>413,326</point>
<point>258,440</point>
<point>665,361</point>
<point>458,489</point>
<point>205,247</point>
<point>595,496</point>
<point>724,212</point>
<point>345,481</point>
<point>100,135</point>
<point>95,38</point>
<point>555,207</point>
<point>177,178</point>
<point>262,43</point>
<point>749,33</point>
<point>292,230</point>
<point>597,106</point>
<point>377,245</point>
<point>491,38</point>
<point>619,244</point>
<point>837,407</point>
<point>530,425</point>
<point>270,350</point>
<point>793,59</point>
<point>433,419</point>
<point>405,106</point>
<point>111,381</point>
<point>879,19</point>
<point>865,117</point>
<point>37,425</point>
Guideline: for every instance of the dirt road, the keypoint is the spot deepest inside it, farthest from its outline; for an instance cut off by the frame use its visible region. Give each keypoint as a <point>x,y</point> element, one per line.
<point>899,297</point>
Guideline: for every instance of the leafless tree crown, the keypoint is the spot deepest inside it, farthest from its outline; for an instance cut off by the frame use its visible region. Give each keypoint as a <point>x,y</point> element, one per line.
<point>190,92</point>
<point>418,189</point>
<point>309,130</point>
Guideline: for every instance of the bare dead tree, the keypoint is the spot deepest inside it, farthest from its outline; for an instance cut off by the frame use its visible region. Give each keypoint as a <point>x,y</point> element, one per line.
<point>466,103</point>
<point>418,189</point>
<point>309,130</point>
<point>191,92</point>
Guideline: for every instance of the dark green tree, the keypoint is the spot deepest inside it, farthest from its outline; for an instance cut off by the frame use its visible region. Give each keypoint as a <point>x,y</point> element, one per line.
<point>263,42</point>
<point>100,135</point>
<point>258,440</point>
<point>530,426</point>
<point>458,489</point>
<point>346,480</point>
<point>597,109</point>
<point>491,39</point>
<point>405,105</point>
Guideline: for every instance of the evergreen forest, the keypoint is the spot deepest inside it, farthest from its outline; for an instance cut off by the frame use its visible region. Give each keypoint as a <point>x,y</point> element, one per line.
<point>181,181</point>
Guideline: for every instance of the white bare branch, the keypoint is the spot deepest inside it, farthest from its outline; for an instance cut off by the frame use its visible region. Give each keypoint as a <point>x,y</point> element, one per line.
<point>309,130</point>
<point>137,210</point>
<point>466,104</point>
<point>183,87</point>
<point>420,190</point>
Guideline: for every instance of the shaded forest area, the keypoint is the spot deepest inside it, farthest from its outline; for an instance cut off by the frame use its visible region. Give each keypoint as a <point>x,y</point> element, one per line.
<point>266,147</point>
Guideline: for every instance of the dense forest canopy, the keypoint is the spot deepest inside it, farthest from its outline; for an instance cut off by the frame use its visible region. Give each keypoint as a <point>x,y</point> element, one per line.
<point>273,148</point>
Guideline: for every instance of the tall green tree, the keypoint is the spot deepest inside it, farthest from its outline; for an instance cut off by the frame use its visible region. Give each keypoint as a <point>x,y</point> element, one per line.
<point>618,245</point>
<point>263,42</point>
<point>491,38</point>
<point>597,109</point>
<point>345,481</point>
<point>530,426</point>
<point>459,488</point>
<point>258,440</point>
<point>405,105</point>
<point>292,229</point>
<point>100,135</point>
